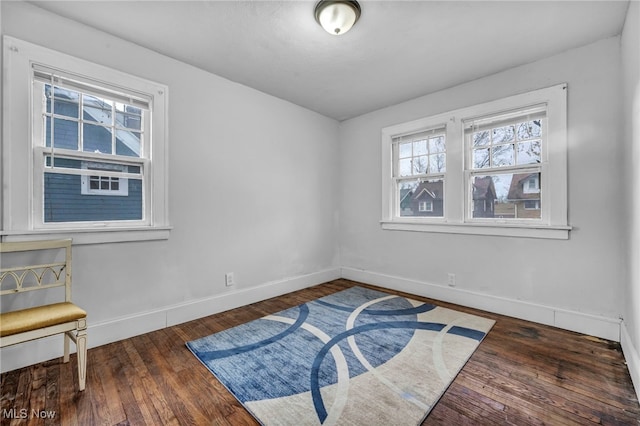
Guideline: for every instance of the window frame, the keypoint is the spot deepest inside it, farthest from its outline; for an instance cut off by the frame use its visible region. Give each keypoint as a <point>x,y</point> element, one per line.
<point>431,132</point>
<point>23,153</point>
<point>458,198</point>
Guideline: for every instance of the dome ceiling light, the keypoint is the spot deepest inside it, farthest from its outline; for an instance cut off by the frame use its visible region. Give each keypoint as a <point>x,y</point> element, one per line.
<point>337,16</point>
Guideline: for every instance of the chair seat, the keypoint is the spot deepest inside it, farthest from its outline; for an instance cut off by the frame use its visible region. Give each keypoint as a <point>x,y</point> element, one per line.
<point>35,318</point>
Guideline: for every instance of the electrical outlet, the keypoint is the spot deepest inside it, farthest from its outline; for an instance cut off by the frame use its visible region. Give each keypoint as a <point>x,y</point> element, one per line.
<point>229,279</point>
<point>451,280</point>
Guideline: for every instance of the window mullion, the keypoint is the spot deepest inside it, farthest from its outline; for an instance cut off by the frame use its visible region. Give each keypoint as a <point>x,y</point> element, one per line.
<point>454,176</point>
<point>113,128</point>
<point>81,123</point>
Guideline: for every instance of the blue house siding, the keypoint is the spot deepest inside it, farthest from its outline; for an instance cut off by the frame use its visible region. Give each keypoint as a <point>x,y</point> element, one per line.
<point>64,202</point>
<point>66,133</point>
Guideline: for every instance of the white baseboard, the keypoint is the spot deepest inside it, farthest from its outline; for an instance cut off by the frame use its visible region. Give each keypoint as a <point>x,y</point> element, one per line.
<point>99,334</point>
<point>593,325</point>
<point>200,308</point>
<point>631,356</point>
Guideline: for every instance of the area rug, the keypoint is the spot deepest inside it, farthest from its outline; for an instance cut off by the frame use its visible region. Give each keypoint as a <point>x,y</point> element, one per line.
<point>356,357</point>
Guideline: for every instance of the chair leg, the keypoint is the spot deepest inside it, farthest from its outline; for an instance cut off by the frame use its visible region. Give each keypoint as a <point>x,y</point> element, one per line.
<point>81,349</point>
<point>67,339</point>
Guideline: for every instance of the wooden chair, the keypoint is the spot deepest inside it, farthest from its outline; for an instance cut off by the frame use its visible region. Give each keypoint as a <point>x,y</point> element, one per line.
<point>45,320</point>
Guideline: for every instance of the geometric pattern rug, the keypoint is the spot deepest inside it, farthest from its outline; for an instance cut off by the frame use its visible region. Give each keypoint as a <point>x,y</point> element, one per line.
<point>356,357</point>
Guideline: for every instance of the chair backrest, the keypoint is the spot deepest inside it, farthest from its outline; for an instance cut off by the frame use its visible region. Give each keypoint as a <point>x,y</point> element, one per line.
<point>38,276</point>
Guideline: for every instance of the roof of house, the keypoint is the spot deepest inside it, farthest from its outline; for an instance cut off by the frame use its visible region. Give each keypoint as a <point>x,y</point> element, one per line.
<point>404,193</point>
<point>484,188</point>
<point>516,189</point>
<point>433,189</point>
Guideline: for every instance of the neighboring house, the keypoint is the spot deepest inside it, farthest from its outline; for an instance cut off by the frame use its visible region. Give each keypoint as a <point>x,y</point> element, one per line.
<point>405,202</point>
<point>524,194</point>
<point>484,197</point>
<point>505,210</point>
<point>427,199</point>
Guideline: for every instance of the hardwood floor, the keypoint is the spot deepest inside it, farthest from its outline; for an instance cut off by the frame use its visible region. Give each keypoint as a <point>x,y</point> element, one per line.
<point>521,374</point>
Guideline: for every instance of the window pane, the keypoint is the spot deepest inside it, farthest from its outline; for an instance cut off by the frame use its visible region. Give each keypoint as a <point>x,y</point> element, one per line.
<point>437,163</point>
<point>503,134</point>
<point>64,202</point>
<point>97,110</point>
<point>481,138</point>
<point>127,143</point>
<point>436,144</point>
<point>404,150</point>
<point>529,130</point>
<point>128,116</point>
<point>65,133</point>
<point>503,155</point>
<point>420,165</point>
<point>65,102</point>
<point>506,196</point>
<point>481,158</point>
<point>96,138</point>
<point>421,198</point>
<point>62,162</point>
<point>420,147</point>
<point>529,152</point>
<point>405,167</point>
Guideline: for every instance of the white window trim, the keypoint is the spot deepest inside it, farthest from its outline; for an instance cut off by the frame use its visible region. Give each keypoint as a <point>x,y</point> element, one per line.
<point>554,182</point>
<point>18,193</point>
<point>425,206</point>
<point>85,185</point>
<point>536,186</point>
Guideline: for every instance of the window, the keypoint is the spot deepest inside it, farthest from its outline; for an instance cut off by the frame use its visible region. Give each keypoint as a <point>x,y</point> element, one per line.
<point>425,206</point>
<point>532,185</point>
<point>419,167</point>
<point>88,148</point>
<point>103,185</point>
<point>505,160</point>
<point>70,124</point>
<point>497,168</point>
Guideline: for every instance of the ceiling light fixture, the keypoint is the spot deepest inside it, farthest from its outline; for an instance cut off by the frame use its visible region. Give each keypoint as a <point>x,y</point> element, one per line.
<point>337,16</point>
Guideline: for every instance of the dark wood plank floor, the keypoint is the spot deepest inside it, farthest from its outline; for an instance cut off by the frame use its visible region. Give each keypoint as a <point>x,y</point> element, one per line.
<point>522,374</point>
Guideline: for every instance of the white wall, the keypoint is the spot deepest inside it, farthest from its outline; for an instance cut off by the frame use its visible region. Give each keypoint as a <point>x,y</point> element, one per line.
<point>630,42</point>
<point>252,184</point>
<point>577,283</point>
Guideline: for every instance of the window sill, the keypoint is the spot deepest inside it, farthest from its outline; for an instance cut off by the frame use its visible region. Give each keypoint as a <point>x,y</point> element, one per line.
<point>91,236</point>
<point>507,230</point>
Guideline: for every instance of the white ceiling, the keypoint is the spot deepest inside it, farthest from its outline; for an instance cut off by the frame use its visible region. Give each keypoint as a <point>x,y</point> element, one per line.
<point>399,50</point>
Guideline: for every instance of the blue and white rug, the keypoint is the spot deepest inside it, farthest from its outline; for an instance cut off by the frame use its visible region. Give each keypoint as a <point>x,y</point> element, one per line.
<point>356,357</point>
